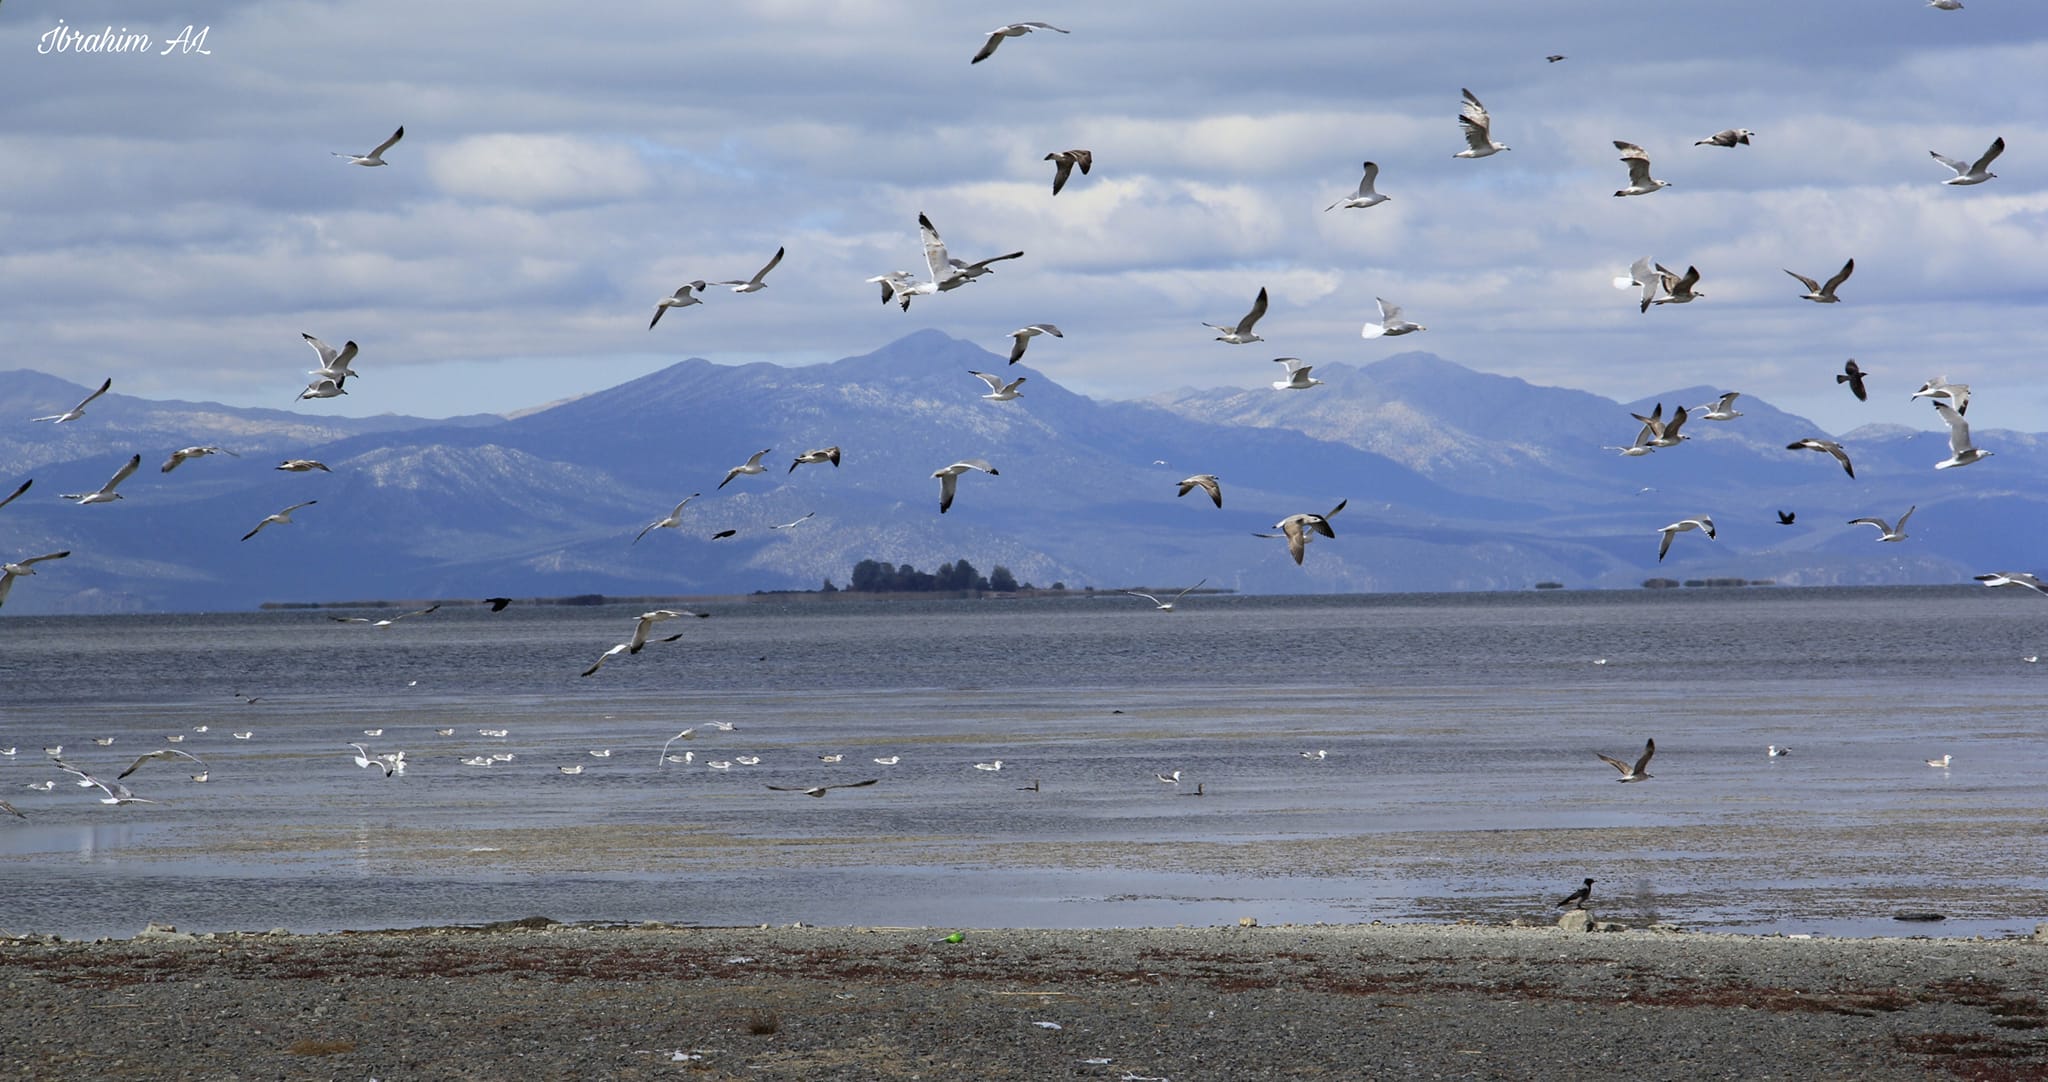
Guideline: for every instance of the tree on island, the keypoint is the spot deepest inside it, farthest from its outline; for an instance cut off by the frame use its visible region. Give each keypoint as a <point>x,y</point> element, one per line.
<point>875,576</point>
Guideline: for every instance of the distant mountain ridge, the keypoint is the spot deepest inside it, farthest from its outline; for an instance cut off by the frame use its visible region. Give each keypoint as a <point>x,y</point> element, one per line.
<point>1456,480</point>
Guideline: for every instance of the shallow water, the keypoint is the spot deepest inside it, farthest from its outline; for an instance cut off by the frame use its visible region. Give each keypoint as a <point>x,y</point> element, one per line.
<point>1459,781</point>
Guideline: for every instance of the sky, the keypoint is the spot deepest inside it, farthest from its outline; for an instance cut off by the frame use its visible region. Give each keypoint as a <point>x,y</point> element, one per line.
<point>176,221</point>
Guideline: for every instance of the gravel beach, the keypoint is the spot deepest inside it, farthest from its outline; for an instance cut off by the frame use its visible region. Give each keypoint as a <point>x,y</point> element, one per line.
<point>535,999</point>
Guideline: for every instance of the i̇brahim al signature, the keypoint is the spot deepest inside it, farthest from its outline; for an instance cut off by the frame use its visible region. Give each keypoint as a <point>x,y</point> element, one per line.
<point>68,39</point>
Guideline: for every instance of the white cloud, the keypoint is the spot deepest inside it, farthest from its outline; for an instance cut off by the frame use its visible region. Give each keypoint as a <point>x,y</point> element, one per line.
<point>534,170</point>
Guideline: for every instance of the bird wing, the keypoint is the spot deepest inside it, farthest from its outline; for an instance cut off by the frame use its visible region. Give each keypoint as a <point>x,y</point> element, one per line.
<point>1244,326</point>
<point>1959,167</point>
<point>1811,285</point>
<point>16,494</point>
<point>122,474</point>
<point>606,656</point>
<point>1184,593</point>
<point>1663,547</point>
<point>388,143</point>
<point>88,398</point>
<point>947,484</point>
<point>853,784</point>
<point>1613,762</point>
<point>1630,151</point>
<point>1389,313</point>
<point>1877,522</point>
<point>1909,514</point>
<point>1017,347</point>
<point>45,556</point>
<point>1372,175</point>
<point>1638,171</point>
<point>982,265</point>
<point>296,506</point>
<point>1841,276</point>
<point>988,48</point>
<point>755,458</point>
<point>1677,422</point>
<point>1062,169</point>
<point>1649,749</point>
<point>1477,124</point>
<point>1958,428</point>
<point>976,463</point>
<point>326,352</point>
<point>1997,147</point>
<point>763,272</point>
<point>934,250</point>
<point>1842,456</point>
<point>1297,543</point>
<point>1146,596</point>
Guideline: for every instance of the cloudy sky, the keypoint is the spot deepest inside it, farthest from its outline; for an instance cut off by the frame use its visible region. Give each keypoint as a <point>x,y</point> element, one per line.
<point>176,221</point>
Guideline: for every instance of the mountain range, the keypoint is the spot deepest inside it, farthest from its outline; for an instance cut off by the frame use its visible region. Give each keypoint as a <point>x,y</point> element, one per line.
<point>1455,480</point>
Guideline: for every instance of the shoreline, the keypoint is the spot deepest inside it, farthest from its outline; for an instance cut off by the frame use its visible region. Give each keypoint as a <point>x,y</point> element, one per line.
<point>542,1000</point>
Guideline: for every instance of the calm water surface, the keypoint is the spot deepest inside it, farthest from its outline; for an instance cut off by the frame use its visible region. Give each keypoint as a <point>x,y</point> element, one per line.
<point>1459,779</point>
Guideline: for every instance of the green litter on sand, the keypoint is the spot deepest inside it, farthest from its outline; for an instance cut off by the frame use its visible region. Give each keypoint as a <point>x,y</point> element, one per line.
<point>956,937</point>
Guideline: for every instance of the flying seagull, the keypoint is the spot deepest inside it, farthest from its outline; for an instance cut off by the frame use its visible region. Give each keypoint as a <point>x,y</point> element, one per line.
<point>106,492</point>
<point>1064,163</point>
<point>793,525</point>
<point>902,286</point>
<point>374,157</point>
<point>1242,333</point>
<point>1946,5</point>
<point>998,391</point>
<point>1576,899</point>
<point>16,494</point>
<point>75,412</point>
<point>1298,378</point>
<point>1642,446</point>
<point>302,465</point>
<point>1885,530</point>
<point>965,272</point>
<point>1724,410</point>
<point>621,648</point>
<point>673,520</point>
<point>1663,433</point>
<point>812,458</point>
<point>1960,451</point>
<point>1014,30</point>
<point>1297,528</point>
<point>1636,772</point>
<point>1703,523</point>
<point>1976,172</point>
<point>1825,294</point>
<point>117,793</point>
<point>324,387</point>
<point>1958,394</point>
<point>2014,578</point>
<point>949,477</point>
<point>1639,180</point>
<point>755,284</point>
<point>1828,447</point>
<point>751,466</point>
<point>1207,483</point>
<point>821,790</point>
<point>681,298</point>
<point>1726,137</point>
<point>1391,323</point>
<point>282,518</point>
<point>11,571</point>
<point>1478,130</point>
<point>179,456</point>
<point>1678,288</point>
<point>1164,606</point>
<point>1555,57</point>
<point>1644,274</point>
<point>334,364</point>
<point>165,754</point>
<point>1853,376</point>
<point>649,619</point>
<point>385,621</point>
<point>1365,196</point>
<point>1024,336</point>
<point>1776,751</point>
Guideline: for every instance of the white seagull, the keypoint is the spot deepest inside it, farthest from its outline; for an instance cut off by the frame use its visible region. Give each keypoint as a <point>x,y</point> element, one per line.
<point>1014,30</point>
<point>11,571</point>
<point>282,518</point>
<point>1206,482</point>
<point>1365,196</point>
<point>671,521</point>
<point>324,387</point>
<point>1165,606</point>
<point>1885,530</point>
<point>1703,523</point>
<point>1774,751</point>
<point>1828,447</point>
<point>681,298</point>
<point>998,391</point>
<point>1298,378</point>
<point>795,524</point>
<point>1723,410</point>
<point>1478,130</point>
<point>1064,163</point>
<point>363,759</point>
<point>75,412</point>
<point>1639,180</point>
<point>1242,333</point>
<point>1644,274</point>
<point>106,492</point>
<point>949,478</point>
<point>1391,324</point>
<point>374,157</point>
<point>1946,5</point>
<point>649,619</point>
<point>1297,528</point>
<point>751,466</point>
<point>965,272</point>
<point>1958,394</point>
<point>1976,172</point>
<point>1726,137</point>
<point>334,364</point>
<point>1024,336</point>
<point>812,458</point>
<point>895,282</point>
<point>756,283</point>
<point>302,465</point>
<point>179,456</point>
<point>1824,294</point>
<point>117,793</point>
<point>385,621</point>
<point>1636,772</point>
<point>1960,451</point>
<point>990,766</point>
<point>2014,578</point>
<point>1941,763</point>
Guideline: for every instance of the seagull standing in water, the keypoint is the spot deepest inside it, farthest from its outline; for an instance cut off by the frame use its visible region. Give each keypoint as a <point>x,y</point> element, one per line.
<point>1885,530</point>
<point>1961,453</point>
<point>14,570</point>
<point>1637,771</point>
<point>1824,294</point>
<point>374,157</point>
<point>1391,323</point>
<point>949,478</point>
<point>755,284</point>
<point>1298,378</point>
<point>1478,130</point>
<point>1207,483</point>
<point>75,412</point>
<point>1013,30</point>
<point>1638,162</point>
<point>1703,523</point>
<point>1365,196</point>
<point>106,493</point>
<point>681,298</point>
<point>1241,334</point>
<point>1024,336</point>
<point>282,518</point>
<point>1827,447</point>
<point>1976,172</point>
<point>1165,606</point>
<point>751,466</point>
<point>671,521</point>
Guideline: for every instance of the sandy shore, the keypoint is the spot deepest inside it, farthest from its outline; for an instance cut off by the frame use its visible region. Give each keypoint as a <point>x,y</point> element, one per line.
<point>539,1000</point>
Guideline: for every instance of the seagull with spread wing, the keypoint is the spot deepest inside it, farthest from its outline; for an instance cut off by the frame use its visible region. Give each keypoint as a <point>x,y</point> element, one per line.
<point>106,493</point>
<point>1013,30</point>
<point>75,412</point>
<point>282,518</point>
<point>376,156</point>
<point>756,283</point>
<point>949,477</point>
<point>671,521</point>
<point>16,569</point>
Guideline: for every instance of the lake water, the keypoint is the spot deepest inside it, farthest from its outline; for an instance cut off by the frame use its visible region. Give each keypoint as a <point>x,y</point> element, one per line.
<point>1459,779</point>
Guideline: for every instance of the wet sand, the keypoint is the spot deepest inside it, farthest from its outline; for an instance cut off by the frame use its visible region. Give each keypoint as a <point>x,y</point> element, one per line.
<point>539,1000</point>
